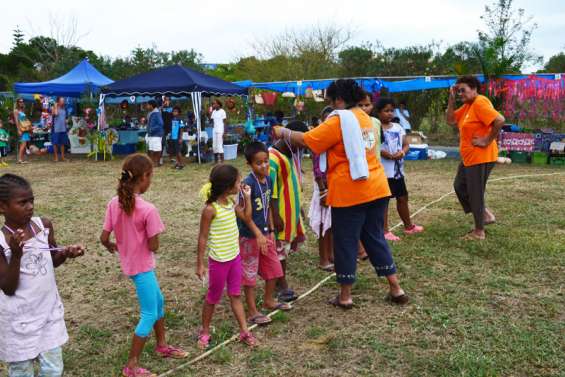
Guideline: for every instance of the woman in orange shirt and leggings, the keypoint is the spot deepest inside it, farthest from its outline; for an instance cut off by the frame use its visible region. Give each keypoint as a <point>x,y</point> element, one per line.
<point>479,125</point>
<point>358,206</point>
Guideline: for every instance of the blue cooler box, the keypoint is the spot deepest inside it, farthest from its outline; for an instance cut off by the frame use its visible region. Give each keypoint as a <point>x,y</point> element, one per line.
<point>417,152</point>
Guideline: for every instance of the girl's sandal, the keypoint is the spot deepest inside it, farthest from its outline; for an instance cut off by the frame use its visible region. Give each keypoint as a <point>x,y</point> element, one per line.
<point>248,339</point>
<point>172,352</point>
<point>282,306</point>
<point>137,372</point>
<point>203,341</point>
<point>260,319</point>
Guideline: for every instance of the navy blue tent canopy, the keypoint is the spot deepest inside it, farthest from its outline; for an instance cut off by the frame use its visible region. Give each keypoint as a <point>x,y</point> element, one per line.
<point>81,79</point>
<point>174,80</point>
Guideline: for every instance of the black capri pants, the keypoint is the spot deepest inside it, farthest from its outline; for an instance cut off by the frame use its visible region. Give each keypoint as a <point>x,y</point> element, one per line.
<point>365,223</point>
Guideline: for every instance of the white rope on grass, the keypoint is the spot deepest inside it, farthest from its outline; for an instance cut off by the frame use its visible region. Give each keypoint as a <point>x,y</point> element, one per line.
<point>489,181</point>
<point>325,280</point>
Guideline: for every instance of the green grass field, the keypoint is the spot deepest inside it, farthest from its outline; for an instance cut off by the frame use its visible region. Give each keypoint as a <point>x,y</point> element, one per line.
<point>494,308</point>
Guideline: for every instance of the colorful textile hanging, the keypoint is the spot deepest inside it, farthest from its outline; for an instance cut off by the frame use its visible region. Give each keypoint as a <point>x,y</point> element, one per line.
<point>269,98</point>
<point>531,98</point>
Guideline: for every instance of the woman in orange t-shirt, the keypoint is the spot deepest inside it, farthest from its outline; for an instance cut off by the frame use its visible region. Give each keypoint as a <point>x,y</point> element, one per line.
<point>358,206</point>
<point>479,125</point>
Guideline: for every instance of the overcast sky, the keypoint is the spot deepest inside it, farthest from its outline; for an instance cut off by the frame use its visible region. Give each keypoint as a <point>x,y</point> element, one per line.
<point>224,30</point>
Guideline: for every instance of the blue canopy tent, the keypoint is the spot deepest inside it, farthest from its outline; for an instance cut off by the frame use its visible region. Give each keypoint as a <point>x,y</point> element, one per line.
<point>174,81</point>
<point>83,78</point>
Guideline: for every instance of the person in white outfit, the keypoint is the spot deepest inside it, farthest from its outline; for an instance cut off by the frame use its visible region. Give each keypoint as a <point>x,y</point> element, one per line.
<point>218,117</point>
<point>401,112</point>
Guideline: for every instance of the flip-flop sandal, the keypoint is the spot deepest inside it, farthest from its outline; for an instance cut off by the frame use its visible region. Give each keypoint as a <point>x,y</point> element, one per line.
<point>172,352</point>
<point>403,299</point>
<point>471,236</point>
<point>335,302</point>
<point>287,295</point>
<point>137,372</point>
<point>203,341</point>
<point>260,320</point>
<point>284,306</point>
<point>248,339</point>
<point>327,268</point>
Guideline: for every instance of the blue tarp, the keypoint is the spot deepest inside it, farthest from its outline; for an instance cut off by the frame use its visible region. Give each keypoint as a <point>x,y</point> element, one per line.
<point>174,80</point>
<point>81,79</point>
<point>374,84</point>
<point>300,87</point>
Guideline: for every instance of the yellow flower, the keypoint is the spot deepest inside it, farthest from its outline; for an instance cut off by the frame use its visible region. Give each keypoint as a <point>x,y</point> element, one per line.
<point>206,191</point>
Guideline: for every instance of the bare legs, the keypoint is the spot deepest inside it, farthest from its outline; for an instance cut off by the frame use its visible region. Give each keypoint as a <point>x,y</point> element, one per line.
<point>55,152</point>
<point>237,309</point>
<point>138,343</point>
<point>22,151</point>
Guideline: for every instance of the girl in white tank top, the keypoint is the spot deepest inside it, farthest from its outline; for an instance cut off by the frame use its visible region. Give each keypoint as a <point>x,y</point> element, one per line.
<point>31,311</point>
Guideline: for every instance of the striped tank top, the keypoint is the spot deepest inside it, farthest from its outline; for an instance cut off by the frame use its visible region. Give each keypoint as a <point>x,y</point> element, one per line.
<point>223,240</point>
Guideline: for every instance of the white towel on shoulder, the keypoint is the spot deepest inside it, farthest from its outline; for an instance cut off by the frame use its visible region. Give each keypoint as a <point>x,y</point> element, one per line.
<point>354,145</point>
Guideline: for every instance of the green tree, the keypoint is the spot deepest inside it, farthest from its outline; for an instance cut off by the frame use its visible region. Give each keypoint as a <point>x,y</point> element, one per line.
<point>187,58</point>
<point>555,64</point>
<point>356,61</point>
<point>18,36</point>
<point>504,46</point>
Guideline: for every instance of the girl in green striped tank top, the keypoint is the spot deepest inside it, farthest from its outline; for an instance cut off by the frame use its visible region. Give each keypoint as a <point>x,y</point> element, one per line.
<point>220,236</point>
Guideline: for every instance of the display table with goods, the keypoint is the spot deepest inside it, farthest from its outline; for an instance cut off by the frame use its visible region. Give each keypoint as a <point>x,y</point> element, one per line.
<point>128,141</point>
<point>540,147</point>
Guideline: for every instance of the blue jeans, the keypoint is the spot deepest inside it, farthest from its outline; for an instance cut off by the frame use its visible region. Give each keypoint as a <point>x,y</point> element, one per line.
<point>365,223</point>
<point>151,302</point>
<point>50,365</point>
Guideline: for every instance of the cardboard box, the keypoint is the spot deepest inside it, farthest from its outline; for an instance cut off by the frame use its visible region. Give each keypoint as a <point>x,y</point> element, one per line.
<point>414,138</point>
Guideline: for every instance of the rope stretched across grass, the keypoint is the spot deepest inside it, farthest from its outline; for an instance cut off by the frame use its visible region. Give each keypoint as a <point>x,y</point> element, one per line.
<point>327,278</point>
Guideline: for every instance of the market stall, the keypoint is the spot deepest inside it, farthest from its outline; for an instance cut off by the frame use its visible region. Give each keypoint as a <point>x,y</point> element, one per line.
<point>82,79</point>
<point>174,81</point>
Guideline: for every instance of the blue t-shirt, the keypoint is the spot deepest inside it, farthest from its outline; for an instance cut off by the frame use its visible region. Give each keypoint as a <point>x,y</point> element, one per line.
<point>177,125</point>
<point>155,124</point>
<point>60,121</point>
<point>260,201</point>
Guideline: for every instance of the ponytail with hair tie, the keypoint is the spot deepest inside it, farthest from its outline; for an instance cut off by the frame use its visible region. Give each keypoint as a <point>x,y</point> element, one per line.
<point>126,175</point>
<point>135,166</point>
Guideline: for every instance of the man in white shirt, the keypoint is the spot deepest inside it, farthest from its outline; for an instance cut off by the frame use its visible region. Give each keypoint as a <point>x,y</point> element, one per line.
<point>219,117</point>
<point>401,112</point>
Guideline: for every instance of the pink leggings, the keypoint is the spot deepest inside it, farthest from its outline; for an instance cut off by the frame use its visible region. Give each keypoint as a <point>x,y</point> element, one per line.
<point>220,274</point>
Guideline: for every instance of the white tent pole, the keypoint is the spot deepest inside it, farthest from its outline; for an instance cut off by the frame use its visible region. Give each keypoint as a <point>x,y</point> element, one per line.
<point>102,113</point>
<point>196,105</point>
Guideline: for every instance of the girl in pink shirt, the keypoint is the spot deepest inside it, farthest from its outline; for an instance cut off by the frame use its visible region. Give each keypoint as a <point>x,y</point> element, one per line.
<point>136,225</point>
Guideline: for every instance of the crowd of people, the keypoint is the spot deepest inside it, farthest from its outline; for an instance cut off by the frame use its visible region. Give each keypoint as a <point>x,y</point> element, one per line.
<point>249,227</point>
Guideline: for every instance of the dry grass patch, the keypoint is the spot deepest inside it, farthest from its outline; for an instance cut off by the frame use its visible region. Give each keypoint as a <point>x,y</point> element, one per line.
<point>478,309</point>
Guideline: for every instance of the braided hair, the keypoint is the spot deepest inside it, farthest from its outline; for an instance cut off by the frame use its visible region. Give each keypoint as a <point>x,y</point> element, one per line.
<point>9,183</point>
<point>134,168</point>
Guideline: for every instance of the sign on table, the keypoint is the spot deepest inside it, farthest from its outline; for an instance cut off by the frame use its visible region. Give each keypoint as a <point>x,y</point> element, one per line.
<point>519,142</point>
